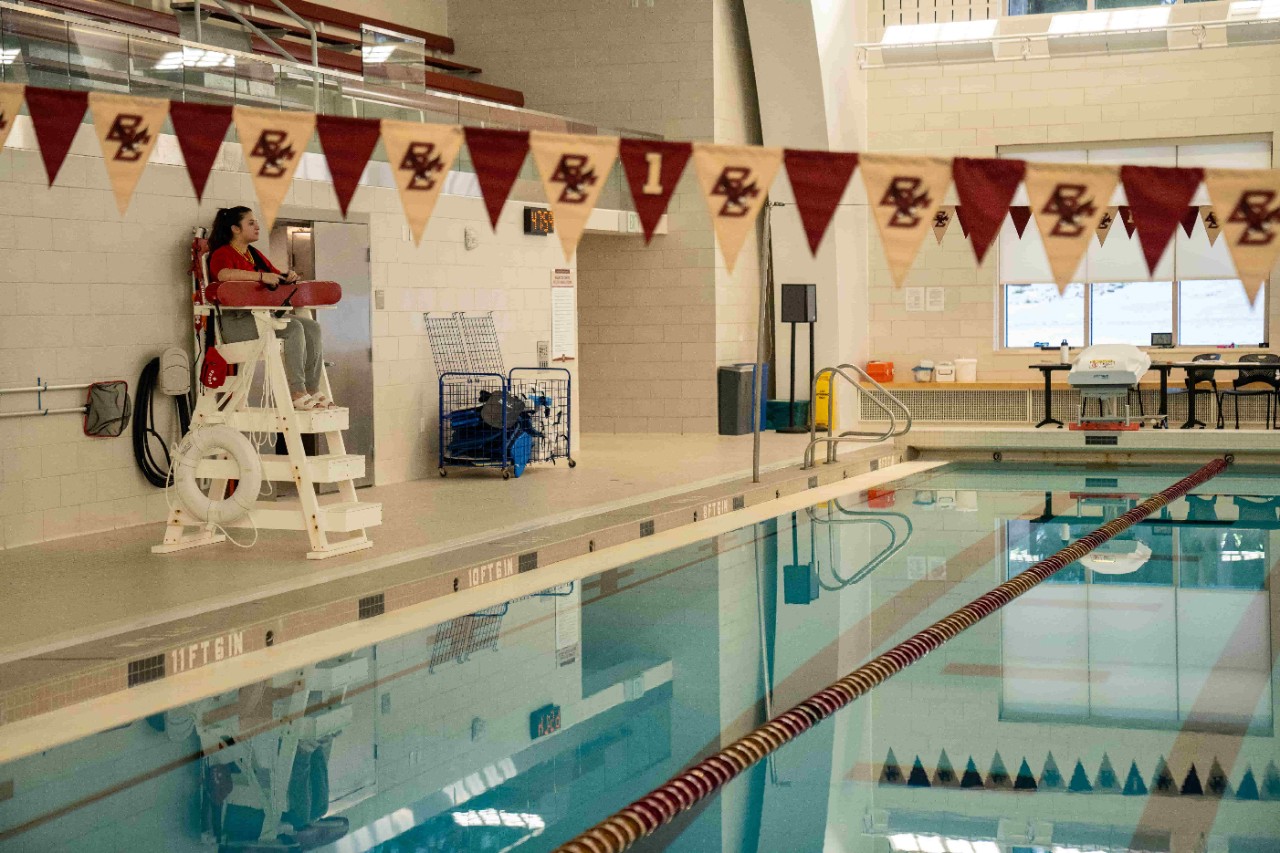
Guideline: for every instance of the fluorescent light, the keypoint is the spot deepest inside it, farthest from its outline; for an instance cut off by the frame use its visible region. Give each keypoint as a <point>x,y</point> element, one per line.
<point>930,844</point>
<point>1257,10</point>
<point>1086,22</point>
<point>191,57</point>
<point>377,53</point>
<point>958,845</point>
<point>905,842</point>
<point>898,34</point>
<point>10,56</point>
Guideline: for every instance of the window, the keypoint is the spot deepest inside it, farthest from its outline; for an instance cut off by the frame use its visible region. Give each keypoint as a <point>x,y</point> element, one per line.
<point>1216,311</point>
<point>1035,314</point>
<point>1128,312</point>
<point>1051,7</point>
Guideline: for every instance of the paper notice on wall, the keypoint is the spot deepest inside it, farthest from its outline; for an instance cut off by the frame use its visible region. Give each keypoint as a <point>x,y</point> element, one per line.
<point>564,316</point>
<point>935,299</point>
<point>914,297</point>
<point>568,624</point>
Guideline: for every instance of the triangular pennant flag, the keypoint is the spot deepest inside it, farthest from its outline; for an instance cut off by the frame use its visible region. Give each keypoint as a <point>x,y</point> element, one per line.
<point>918,778</point>
<point>55,115</point>
<point>945,774</point>
<point>1025,781</point>
<point>1050,777</point>
<point>347,144</point>
<point>10,105</point>
<point>1106,780</point>
<point>1021,215</point>
<point>653,170</point>
<point>1189,220</point>
<point>1211,225</point>
<point>903,193</point>
<point>998,776</point>
<point>1248,789</point>
<point>1191,785</point>
<point>1271,782</point>
<point>891,773</point>
<point>420,155</point>
<point>1079,781</point>
<point>497,156</point>
<point>1126,219</point>
<point>1133,785</point>
<point>1162,783</point>
<point>818,181</point>
<point>964,223</point>
<point>1247,204</point>
<point>985,188</point>
<point>574,169</point>
<point>1068,201</point>
<point>1159,197</point>
<point>1104,224</point>
<point>273,142</point>
<point>200,129</point>
<point>1217,785</point>
<point>942,221</point>
<point>971,778</point>
<point>735,181</point>
<point>127,129</point>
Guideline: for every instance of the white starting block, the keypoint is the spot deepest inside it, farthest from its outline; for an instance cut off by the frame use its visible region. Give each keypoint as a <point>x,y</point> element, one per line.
<point>1106,373</point>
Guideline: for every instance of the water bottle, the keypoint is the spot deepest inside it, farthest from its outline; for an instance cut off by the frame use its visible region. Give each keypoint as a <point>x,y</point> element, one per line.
<point>1066,352</point>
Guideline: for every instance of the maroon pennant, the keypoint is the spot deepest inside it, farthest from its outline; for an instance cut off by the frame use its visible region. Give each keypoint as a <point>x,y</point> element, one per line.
<point>200,129</point>
<point>1158,200</point>
<point>818,181</point>
<point>1021,215</point>
<point>497,156</point>
<point>1126,216</point>
<point>653,169</point>
<point>55,115</point>
<point>985,188</point>
<point>1189,220</point>
<point>960,217</point>
<point>347,144</point>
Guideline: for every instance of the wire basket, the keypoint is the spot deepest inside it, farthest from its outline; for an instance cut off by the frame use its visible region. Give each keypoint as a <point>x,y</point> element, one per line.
<point>491,421</point>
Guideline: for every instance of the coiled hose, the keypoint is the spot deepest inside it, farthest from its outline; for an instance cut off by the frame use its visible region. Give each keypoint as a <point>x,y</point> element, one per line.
<point>144,432</point>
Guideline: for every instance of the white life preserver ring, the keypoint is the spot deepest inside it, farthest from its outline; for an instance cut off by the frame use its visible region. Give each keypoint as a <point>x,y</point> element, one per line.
<point>204,441</point>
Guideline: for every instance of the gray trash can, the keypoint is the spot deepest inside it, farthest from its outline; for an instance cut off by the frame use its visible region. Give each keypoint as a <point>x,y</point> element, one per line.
<point>735,392</point>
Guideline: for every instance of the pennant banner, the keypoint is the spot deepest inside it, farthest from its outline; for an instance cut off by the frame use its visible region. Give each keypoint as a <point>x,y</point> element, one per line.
<point>55,115</point>
<point>1104,224</point>
<point>1126,219</point>
<point>818,181</point>
<point>347,144</point>
<point>420,155</point>
<point>1189,220</point>
<point>1211,226</point>
<point>497,156</point>
<point>200,129</point>
<point>653,170</point>
<point>273,142</point>
<point>127,129</point>
<point>574,170</point>
<point>942,221</point>
<point>1159,197</point>
<point>960,217</point>
<point>1247,205</point>
<point>1068,202</point>
<point>735,181</point>
<point>904,193</point>
<point>985,189</point>
<point>10,105</point>
<point>1021,215</point>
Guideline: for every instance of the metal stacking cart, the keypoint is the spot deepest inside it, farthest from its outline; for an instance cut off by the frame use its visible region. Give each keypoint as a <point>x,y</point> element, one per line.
<point>489,417</point>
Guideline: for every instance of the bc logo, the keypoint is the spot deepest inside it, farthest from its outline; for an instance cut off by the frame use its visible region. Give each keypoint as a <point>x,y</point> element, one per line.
<point>275,153</point>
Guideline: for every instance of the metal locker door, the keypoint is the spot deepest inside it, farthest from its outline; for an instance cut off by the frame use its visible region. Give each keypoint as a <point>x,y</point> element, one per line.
<point>342,255</point>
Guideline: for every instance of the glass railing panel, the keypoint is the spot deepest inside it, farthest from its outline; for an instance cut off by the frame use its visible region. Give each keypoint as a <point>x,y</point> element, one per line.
<point>393,59</point>
<point>97,59</point>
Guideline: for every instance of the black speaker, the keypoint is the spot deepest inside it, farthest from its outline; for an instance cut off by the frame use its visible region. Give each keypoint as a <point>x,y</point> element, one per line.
<point>799,303</point>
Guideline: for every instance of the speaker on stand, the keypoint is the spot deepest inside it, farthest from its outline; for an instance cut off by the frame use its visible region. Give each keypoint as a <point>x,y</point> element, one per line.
<point>799,305</point>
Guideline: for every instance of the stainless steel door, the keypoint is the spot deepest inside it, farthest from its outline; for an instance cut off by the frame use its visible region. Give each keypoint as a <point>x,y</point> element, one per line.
<point>342,255</point>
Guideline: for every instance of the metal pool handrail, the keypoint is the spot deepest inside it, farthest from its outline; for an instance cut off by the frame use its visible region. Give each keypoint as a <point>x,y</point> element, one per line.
<point>832,440</point>
<point>680,793</point>
<point>864,517</point>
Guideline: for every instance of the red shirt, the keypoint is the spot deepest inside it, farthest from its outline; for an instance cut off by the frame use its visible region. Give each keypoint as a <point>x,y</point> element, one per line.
<point>228,258</point>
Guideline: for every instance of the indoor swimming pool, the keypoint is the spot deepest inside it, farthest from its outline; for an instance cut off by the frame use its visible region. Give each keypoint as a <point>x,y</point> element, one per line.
<point>1128,703</point>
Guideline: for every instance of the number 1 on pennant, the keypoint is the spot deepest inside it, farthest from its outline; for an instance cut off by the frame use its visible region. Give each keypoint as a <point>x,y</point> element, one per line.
<point>653,182</point>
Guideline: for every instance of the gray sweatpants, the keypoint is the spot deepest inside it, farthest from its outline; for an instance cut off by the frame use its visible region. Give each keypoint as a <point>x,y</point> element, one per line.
<point>303,349</point>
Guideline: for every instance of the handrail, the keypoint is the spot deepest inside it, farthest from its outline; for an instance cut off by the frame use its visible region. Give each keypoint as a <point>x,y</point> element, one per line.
<point>865,517</point>
<point>830,439</point>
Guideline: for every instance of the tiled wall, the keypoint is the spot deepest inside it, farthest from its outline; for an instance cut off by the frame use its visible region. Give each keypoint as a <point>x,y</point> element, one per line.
<point>973,109</point>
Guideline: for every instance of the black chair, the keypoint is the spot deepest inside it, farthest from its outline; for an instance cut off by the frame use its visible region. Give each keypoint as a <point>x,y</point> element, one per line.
<point>1196,378</point>
<point>1266,377</point>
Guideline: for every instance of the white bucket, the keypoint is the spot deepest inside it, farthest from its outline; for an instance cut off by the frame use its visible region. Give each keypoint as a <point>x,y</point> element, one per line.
<point>966,370</point>
<point>945,372</point>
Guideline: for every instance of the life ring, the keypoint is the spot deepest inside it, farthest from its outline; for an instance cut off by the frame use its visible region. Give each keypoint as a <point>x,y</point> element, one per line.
<point>204,441</point>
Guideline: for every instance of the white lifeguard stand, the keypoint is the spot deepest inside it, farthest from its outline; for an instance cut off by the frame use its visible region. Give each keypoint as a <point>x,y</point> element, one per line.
<point>333,527</point>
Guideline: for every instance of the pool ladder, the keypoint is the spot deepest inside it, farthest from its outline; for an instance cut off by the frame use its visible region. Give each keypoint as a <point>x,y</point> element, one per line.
<point>830,439</point>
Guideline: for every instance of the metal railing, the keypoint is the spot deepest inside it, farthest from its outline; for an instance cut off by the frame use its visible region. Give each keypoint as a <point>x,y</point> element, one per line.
<point>884,519</point>
<point>831,439</point>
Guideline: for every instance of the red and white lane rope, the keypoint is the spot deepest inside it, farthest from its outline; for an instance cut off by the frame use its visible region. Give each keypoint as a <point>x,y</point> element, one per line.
<point>660,806</point>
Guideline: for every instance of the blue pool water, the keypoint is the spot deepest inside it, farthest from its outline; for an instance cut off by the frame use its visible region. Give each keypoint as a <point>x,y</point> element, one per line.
<point>1127,704</point>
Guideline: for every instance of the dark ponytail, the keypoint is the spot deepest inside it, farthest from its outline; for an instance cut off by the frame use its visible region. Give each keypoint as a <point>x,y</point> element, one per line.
<point>223,221</point>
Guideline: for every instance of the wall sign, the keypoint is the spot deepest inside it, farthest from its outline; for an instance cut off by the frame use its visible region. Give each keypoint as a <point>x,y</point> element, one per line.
<point>564,316</point>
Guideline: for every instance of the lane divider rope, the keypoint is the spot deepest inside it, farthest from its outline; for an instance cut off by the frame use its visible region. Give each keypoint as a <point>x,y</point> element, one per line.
<point>682,792</point>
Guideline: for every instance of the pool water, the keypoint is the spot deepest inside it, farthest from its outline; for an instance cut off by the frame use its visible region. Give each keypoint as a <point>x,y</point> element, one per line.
<point>1128,703</point>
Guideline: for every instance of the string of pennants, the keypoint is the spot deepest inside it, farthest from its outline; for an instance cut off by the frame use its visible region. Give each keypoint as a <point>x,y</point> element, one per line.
<point>904,192</point>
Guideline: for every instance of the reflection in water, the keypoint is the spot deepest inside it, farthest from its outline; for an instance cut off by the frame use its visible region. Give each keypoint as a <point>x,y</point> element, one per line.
<point>1060,724</point>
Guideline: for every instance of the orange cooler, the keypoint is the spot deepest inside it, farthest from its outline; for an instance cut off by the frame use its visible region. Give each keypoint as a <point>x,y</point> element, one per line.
<point>880,371</point>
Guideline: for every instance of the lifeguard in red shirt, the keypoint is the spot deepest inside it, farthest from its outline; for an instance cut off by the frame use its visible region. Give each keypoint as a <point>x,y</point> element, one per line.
<point>231,258</point>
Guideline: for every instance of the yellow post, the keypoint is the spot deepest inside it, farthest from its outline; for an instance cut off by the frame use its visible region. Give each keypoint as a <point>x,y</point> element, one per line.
<point>824,410</point>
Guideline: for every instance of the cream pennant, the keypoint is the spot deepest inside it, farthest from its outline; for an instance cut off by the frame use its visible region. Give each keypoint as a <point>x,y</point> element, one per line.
<point>10,105</point>
<point>1211,225</point>
<point>1105,224</point>
<point>127,129</point>
<point>735,181</point>
<point>1068,202</point>
<point>420,156</point>
<point>1246,203</point>
<point>574,170</point>
<point>942,221</point>
<point>273,142</point>
<point>904,193</point>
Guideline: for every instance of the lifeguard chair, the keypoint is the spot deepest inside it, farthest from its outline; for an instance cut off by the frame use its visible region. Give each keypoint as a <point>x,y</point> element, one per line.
<point>218,450</point>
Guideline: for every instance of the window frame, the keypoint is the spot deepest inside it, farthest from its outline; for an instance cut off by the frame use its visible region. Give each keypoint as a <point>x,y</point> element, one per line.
<point>1091,6</point>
